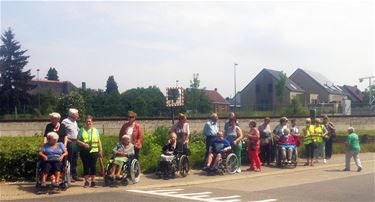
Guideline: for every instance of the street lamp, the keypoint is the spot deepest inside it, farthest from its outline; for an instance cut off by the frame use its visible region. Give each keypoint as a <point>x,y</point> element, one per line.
<point>235,88</point>
<point>38,88</point>
<point>371,99</point>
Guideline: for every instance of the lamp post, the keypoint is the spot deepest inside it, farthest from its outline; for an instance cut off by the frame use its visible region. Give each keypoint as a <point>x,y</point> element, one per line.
<point>371,99</point>
<point>235,88</point>
<point>38,88</point>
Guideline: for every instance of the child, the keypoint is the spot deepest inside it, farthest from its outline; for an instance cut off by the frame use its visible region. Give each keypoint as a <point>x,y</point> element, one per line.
<point>122,151</point>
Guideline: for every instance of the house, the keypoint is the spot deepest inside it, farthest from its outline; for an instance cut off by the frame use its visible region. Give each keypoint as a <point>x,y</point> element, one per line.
<point>260,94</point>
<point>232,103</point>
<point>219,104</point>
<point>318,89</point>
<point>353,93</point>
<point>54,87</point>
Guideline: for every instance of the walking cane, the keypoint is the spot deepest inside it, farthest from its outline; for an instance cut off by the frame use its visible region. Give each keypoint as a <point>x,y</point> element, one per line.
<point>101,164</point>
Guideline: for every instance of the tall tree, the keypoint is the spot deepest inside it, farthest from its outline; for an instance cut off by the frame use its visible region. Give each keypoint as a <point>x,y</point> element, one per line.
<point>52,74</point>
<point>111,85</point>
<point>14,81</point>
<point>195,98</point>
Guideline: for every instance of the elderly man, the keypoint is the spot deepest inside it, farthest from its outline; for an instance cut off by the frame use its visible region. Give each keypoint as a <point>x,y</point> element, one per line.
<point>210,130</point>
<point>71,128</point>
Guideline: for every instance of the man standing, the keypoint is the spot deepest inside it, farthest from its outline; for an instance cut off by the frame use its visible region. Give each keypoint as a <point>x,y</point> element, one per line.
<point>71,128</point>
<point>353,149</point>
<point>210,130</point>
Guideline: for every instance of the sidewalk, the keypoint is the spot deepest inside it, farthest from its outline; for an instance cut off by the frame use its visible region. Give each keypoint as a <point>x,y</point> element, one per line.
<point>25,190</point>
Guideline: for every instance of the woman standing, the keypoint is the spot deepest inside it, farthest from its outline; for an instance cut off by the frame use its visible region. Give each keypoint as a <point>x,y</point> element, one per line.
<point>308,141</point>
<point>55,126</point>
<point>320,132</point>
<point>90,149</point>
<point>265,141</point>
<point>329,137</point>
<point>182,129</point>
<point>234,137</point>
<point>253,147</point>
<point>134,131</point>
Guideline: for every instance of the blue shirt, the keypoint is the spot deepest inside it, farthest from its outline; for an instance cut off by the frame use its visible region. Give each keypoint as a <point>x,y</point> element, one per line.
<point>210,128</point>
<point>53,153</point>
<point>219,145</point>
<point>227,125</point>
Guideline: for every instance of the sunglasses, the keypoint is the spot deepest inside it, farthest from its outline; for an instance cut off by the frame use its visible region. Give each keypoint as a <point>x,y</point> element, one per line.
<point>131,117</point>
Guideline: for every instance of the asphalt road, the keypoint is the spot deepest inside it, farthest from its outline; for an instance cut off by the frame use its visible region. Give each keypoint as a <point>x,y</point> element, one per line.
<point>352,188</point>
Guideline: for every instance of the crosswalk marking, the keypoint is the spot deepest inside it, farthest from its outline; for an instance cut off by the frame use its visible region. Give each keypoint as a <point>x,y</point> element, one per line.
<point>199,196</point>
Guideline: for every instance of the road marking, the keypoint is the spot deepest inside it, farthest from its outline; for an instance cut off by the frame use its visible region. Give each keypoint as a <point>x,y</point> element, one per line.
<point>199,196</point>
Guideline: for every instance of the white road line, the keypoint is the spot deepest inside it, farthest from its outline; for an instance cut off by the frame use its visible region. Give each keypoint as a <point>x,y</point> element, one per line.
<point>199,196</point>
<point>267,200</point>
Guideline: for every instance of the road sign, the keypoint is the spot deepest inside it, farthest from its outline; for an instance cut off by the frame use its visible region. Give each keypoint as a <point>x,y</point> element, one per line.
<point>175,97</point>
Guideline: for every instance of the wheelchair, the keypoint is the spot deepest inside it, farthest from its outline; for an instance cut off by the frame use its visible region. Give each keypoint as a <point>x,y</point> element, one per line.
<point>65,175</point>
<point>227,164</point>
<point>178,163</point>
<point>130,170</point>
<point>284,164</point>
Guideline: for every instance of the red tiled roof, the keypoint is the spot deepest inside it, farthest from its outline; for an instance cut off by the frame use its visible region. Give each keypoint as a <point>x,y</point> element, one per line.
<point>215,97</point>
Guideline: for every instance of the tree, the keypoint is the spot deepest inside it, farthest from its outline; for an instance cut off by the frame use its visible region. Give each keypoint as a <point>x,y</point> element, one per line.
<point>195,98</point>
<point>52,74</point>
<point>14,81</point>
<point>280,87</point>
<point>112,85</point>
<point>71,100</point>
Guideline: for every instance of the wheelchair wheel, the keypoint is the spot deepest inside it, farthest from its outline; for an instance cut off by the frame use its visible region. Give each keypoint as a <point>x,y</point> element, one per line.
<point>294,159</point>
<point>183,166</point>
<point>135,171</point>
<point>37,175</point>
<point>231,163</point>
<point>67,176</point>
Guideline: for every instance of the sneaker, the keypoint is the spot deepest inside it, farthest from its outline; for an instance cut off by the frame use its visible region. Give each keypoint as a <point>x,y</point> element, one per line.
<point>238,170</point>
<point>324,160</point>
<point>86,184</point>
<point>359,169</point>
<point>93,184</point>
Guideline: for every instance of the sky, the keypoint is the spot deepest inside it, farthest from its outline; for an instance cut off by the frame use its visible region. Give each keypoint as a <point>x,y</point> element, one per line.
<point>156,43</point>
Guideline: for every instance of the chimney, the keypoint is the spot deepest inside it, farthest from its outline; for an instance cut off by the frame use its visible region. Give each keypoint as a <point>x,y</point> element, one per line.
<point>215,89</point>
<point>83,85</point>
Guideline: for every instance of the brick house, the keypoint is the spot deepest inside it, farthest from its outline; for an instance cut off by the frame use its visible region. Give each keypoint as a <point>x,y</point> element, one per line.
<point>219,104</point>
<point>260,94</point>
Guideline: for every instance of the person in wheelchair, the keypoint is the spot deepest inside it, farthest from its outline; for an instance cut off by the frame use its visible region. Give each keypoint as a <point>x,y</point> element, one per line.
<point>52,155</point>
<point>287,144</point>
<point>217,149</point>
<point>168,155</point>
<point>121,152</point>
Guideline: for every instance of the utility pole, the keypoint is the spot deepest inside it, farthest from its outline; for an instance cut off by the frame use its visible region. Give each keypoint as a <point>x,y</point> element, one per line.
<point>38,89</point>
<point>235,88</point>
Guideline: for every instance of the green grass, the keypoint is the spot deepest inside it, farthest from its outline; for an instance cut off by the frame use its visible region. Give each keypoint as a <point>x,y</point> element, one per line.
<point>359,132</point>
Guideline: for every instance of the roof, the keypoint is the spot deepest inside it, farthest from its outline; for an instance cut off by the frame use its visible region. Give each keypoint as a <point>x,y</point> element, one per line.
<point>289,84</point>
<point>353,93</point>
<point>215,97</point>
<point>323,82</point>
<point>55,87</point>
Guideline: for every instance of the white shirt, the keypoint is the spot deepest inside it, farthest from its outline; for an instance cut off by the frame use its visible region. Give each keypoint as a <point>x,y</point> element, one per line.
<point>130,133</point>
<point>71,128</point>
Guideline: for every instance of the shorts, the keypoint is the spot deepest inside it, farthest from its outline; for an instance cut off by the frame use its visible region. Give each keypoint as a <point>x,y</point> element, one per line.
<point>120,160</point>
<point>51,166</point>
<point>168,158</point>
<point>287,146</point>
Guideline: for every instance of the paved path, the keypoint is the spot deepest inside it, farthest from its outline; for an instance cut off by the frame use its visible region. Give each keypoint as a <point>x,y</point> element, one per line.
<point>247,186</point>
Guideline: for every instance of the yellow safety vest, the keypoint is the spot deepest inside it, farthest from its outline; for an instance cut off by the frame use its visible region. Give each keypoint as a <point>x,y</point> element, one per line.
<point>307,136</point>
<point>91,139</point>
<point>319,132</point>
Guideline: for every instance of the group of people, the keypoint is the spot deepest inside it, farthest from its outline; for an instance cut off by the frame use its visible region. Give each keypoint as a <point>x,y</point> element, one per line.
<point>66,140</point>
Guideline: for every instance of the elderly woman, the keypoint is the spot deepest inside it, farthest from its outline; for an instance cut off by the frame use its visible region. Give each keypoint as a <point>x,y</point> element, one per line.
<point>134,131</point>
<point>265,141</point>
<point>352,150</point>
<point>55,126</point>
<point>234,136</point>
<point>329,137</point>
<point>253,147</point>
<point>320,132</point>
<point>122,151</point>
<point>182,129</point>
<point>308,141</point>
<point>91,148</point>
<point>52,154</point>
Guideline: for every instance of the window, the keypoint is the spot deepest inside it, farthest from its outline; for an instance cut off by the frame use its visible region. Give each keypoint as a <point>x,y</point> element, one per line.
<point>270,87</point>
<point>257,88</point>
